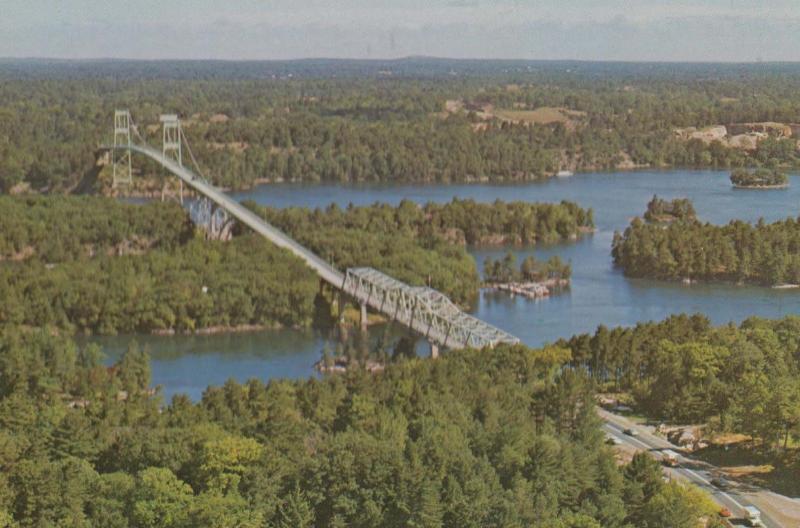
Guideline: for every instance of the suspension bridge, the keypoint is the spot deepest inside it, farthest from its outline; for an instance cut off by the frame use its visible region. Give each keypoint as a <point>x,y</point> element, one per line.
<point>424,310</point>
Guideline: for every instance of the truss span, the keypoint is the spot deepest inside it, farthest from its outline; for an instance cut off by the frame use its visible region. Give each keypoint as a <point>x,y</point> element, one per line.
<point>423,310</point>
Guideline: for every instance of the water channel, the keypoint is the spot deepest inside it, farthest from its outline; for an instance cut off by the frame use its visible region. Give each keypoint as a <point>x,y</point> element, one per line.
<point>600,294</point>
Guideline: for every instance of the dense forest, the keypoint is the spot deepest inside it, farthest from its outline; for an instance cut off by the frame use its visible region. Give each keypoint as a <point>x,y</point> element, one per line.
<point>59,228</point>
<point>416,120</point>
<point>96,265</point>
<point>767,254</point>
<point>471,440</point>
<point>199,285</point>
<point>460,221</point>
<point>744,379</point>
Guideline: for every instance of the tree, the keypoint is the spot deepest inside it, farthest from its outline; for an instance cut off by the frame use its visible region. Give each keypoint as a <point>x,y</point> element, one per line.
<point>642,482</point>
<point>224,461</point>
<point>677,506</point>
<point>295,511</point>
<point>160,499</point>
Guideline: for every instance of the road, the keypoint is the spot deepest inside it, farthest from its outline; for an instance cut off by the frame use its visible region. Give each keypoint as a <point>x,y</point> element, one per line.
<point>691,470</point>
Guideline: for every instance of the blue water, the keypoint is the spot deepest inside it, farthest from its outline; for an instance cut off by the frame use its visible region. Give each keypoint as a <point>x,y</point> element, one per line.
<point>600,294</point>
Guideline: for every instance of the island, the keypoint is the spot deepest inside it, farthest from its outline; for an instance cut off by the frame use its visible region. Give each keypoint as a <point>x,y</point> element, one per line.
<point>689,250</point>
<point>759,179</point>
<point>533,279</point>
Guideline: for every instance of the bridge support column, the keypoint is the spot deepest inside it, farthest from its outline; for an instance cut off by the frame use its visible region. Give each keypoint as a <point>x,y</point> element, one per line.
<point>363,319</point>
<point>340,306</point>
<point>434,350</point>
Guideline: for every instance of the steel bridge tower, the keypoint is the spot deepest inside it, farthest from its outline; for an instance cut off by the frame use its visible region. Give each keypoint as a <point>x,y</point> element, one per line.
<point>122,174</point>
<point>171,145</point>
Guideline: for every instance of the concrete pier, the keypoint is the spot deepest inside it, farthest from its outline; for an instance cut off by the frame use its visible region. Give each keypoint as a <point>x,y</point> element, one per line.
<point>363,319</point>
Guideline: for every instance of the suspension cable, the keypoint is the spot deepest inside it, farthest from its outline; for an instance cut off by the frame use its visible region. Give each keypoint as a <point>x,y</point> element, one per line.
<point>136,129</point>
<point>185,140</point>
<point>191,155</point>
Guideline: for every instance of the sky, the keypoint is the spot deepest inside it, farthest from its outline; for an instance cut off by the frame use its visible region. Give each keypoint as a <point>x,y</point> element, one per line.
<point>629,30</point>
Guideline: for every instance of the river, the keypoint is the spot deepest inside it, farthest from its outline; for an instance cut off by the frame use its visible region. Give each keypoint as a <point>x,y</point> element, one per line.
<point>600,294</point>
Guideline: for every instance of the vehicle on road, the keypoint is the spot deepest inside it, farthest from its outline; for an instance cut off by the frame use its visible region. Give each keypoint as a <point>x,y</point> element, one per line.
<point>613,440</point>
<point>669,458</point>
<point>630,432</point>
<point>721,483</point>
<point>753,516</point>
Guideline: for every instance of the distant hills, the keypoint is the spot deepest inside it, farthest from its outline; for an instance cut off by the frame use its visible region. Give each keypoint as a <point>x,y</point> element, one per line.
<point>409,67</point>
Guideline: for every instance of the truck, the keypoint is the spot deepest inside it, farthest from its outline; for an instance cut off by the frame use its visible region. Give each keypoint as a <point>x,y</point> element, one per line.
<point>669,458</point>
<point>753,516</point>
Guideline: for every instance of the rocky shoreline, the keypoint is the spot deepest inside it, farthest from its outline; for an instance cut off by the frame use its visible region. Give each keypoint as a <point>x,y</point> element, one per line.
<point>530,290</point>
<point>217,329</point>
<point>762,187</point>
<point>340,365</point>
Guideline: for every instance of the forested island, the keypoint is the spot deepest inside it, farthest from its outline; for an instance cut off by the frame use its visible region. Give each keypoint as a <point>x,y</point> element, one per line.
<point>759,179</point>
<point>96,265</point>
<point>474,439</point>
<point>690,250</point>
<point>411,120</point>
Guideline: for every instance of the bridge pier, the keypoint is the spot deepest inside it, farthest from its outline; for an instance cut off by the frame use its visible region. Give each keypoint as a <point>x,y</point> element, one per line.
<point>434,350</point>
<point>363,319</point>
<point>340,306</point>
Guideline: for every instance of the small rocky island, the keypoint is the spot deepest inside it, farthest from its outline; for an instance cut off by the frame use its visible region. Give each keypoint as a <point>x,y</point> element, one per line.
<point>533,279</point>
<point>759,179</point>
<point>660,211</point>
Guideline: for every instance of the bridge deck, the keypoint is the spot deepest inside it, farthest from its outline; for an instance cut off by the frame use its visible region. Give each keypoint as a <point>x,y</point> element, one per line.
<point>424,310</point>
<point>244,215</point>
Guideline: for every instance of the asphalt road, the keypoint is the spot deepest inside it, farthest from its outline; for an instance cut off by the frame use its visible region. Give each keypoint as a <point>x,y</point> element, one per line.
<point>694,471</point>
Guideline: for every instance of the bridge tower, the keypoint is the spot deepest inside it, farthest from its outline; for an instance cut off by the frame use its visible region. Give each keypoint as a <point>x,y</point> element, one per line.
<point>122,174</point>
<point>171,132</point>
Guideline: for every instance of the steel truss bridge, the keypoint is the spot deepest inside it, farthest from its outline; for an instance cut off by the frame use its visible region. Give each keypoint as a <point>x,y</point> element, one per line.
<point>421,309</point>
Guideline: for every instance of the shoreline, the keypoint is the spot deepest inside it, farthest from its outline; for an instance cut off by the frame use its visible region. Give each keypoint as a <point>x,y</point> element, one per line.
<point>217,330</point>
<point>685,281</point>
<point>530,289</point>
<point>761,187</point>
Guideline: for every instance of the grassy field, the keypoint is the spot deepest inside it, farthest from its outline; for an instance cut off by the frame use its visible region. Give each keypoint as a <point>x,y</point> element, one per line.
<point>540,116</point>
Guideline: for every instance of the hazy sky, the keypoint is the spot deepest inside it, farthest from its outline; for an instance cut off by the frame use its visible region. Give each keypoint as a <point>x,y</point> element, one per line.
<point>695,30</point>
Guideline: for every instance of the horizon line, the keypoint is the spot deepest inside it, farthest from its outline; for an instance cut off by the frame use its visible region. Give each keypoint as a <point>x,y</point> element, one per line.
<point>386,59</point>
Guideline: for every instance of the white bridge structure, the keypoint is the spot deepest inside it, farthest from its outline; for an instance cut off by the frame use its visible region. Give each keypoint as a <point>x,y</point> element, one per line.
<point>424,310</point>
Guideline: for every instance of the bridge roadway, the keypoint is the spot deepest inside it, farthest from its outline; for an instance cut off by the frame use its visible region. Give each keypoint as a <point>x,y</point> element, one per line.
<point>421,309</point>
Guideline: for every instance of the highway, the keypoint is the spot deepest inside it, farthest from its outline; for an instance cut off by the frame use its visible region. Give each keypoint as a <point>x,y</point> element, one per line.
<point>688,469</point>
